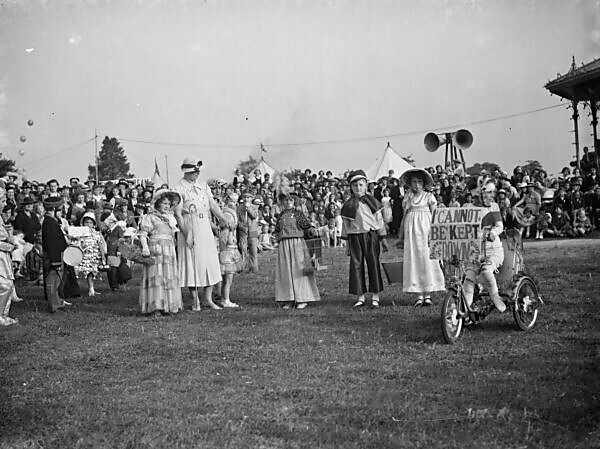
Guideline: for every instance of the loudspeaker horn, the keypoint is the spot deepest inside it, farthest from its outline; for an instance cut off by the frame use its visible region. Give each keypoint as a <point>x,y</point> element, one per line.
<point>462,139</point>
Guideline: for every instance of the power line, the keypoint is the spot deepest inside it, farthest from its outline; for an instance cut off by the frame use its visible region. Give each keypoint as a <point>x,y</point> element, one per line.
<point>180,144</point>
<point>322,142</point>
<point>350,140</point>
<point>50,156</point>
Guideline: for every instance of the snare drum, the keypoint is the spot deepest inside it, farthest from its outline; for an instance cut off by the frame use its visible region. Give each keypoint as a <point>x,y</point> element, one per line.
<point>73,255</point>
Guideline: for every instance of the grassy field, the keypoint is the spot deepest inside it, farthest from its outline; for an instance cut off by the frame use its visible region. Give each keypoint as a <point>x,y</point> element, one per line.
<point>101,375</point>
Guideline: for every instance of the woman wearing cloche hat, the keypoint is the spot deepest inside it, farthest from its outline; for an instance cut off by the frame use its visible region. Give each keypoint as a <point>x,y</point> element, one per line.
<point>198,257</point>
<point>160,291</point>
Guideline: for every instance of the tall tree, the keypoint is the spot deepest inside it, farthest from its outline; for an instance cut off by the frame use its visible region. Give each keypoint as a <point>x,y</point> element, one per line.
<point>112,161</point>
<point>6,165</point>
<point>246,166</point>
<point>476,168</point>
<point>530,165</point>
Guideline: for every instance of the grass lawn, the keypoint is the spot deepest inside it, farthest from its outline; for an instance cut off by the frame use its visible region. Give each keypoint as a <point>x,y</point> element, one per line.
<point>101,375</point>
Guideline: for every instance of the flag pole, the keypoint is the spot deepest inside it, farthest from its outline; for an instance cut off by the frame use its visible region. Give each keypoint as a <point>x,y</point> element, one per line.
<point>167,168</point>
<point>96,147</point>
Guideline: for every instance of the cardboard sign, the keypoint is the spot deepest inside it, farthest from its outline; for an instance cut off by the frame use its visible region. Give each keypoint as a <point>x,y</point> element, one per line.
<point>456,231</point>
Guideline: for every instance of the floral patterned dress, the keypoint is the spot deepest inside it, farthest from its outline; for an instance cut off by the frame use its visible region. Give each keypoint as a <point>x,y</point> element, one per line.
<point>93,247</point>
<point>160,289</point>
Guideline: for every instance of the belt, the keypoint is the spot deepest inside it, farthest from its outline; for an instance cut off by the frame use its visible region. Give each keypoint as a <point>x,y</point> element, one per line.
<point>199,214</point>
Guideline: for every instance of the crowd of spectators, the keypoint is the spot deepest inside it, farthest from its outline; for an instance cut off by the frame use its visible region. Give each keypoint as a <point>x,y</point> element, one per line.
<point>567,205</point>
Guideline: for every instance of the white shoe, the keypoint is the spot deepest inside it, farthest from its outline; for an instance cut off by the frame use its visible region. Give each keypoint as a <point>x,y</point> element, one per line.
<point>301,305</point>
<point>17,299</point>
<point>500,306</point>
<point>375,303</point>
<point>229,304</point>
<point>286,307</point>
<point>6,321</point>
<point>358,304</point>
<point>212,305</point>
<point>65,303</point>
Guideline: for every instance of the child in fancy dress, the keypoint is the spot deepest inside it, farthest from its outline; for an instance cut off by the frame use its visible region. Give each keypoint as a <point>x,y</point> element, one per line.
<point>421,275</point>
<point>364,230</point>
<point>387,211</point>
<point>230,257</point>
<point>295,283</point>
<point>94,252</point>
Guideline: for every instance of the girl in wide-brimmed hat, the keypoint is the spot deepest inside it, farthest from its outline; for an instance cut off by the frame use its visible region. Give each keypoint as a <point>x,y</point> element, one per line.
<point>421,275</point>
<point>160,292</point>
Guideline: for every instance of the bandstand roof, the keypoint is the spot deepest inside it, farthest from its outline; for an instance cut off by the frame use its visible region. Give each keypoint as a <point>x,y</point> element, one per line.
<point>579,84</point>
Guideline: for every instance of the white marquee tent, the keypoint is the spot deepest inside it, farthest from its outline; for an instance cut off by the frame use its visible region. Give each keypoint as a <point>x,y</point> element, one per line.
<point>265,168</point>
<point>389,160</point>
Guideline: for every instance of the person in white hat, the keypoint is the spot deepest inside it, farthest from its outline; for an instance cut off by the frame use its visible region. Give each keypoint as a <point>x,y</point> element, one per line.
<point>198,258</point>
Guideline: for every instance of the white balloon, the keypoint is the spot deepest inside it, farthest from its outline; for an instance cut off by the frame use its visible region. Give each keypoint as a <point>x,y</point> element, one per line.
<point>21,152</point>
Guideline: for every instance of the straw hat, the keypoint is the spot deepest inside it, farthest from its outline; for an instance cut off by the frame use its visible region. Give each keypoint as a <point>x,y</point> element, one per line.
<point>172,195</point>
<point>425,175</point>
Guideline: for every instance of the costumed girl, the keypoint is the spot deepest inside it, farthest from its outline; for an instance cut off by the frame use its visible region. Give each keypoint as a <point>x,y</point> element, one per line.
<point>364,229</point>
<point>160,291</point>
<point>295,283</point>
<point>94,252</point>
<point>230,257</point>
<point>421,275</point>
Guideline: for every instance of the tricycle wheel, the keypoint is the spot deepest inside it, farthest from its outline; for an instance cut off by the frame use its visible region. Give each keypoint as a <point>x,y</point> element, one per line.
<point>452,321</point>
<point>525,309</point>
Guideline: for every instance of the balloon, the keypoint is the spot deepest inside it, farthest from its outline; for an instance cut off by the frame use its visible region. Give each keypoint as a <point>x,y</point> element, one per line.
<point>30,122</point>
<point>22,152</point>
<point>23,138</point>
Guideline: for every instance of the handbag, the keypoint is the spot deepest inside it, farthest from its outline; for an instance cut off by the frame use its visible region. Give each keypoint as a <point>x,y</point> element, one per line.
<point>131,249</point>
<point>113,261</point>
<point>124,272</point>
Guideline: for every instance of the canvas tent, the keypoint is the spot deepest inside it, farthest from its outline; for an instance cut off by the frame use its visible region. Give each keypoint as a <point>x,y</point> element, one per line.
<point>265,168</point>
<point>389,160</point>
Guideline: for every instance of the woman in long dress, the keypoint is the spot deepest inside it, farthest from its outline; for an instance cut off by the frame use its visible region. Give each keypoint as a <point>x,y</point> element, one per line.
<point>160,291</point>
<point>295,283</point>
<point>198,255</point>
<point>6,273</point>
<point>421,275</point>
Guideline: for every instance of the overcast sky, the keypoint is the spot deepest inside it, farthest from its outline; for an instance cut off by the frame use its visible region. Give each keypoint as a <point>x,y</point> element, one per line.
<point>219,77</point>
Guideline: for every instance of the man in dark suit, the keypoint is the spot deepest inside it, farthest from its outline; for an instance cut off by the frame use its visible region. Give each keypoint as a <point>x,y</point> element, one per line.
<point>53,244</point>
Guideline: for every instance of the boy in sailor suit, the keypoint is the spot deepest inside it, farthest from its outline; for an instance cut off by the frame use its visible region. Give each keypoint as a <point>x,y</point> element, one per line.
<point>364,229</point>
